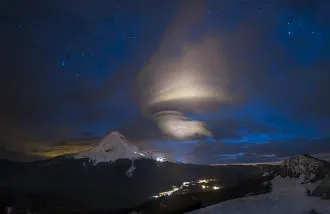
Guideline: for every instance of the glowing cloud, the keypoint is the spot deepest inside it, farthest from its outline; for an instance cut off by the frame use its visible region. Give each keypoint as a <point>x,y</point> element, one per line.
<point>175,124</point>
<point>192,81</point>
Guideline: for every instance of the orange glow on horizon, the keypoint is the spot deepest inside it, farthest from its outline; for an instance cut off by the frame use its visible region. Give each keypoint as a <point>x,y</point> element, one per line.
<point>60,150</point>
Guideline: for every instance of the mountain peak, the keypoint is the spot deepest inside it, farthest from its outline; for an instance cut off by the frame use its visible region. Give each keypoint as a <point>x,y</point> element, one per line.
<point>116,133</point>
<point>112,147</point>
<point>304,164</point>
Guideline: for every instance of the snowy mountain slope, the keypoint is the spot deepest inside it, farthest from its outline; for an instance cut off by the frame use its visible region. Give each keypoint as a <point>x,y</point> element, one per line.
<point>288,197</point>
<point>112,147</point>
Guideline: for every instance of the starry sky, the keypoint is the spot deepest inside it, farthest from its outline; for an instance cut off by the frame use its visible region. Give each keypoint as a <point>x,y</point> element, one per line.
<point>69,68</point>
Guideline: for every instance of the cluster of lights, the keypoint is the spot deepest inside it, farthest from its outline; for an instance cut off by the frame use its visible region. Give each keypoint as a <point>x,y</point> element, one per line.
<point>207,187</point>
<point>139,153</point>
<point>202,183</point>
<point>205,181</point>
<point>160,159</point>
<point>167,193</point>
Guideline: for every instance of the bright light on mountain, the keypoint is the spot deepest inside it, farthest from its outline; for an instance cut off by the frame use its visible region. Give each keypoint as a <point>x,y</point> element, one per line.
<point>160,159</point>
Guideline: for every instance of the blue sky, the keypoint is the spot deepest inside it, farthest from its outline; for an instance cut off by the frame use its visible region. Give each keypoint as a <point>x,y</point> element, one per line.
<point>70,67</point>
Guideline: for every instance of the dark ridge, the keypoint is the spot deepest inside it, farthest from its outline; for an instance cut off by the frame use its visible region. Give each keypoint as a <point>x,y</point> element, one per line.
<point>67,182</point>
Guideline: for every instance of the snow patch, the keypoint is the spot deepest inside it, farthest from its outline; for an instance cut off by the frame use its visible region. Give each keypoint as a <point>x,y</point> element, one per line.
<point>280,184</point>
<point>266,174</point>
<point>130,171</point>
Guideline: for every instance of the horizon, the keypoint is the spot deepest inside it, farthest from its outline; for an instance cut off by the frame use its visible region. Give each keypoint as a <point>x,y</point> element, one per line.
<point>76,146</point>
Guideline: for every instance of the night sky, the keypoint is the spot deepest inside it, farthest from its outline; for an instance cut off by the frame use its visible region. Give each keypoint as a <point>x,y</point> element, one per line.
<point>69,70</point>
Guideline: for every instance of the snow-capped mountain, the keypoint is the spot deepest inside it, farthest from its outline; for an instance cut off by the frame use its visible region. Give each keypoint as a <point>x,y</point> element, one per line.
<point>312,168</point>
<point>115,146</point>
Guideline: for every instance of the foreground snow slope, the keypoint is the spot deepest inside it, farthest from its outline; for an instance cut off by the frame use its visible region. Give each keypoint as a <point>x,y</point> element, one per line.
<point>288,197</point>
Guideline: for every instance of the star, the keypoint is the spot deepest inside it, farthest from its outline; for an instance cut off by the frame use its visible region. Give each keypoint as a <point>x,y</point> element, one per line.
<point>109,49</point>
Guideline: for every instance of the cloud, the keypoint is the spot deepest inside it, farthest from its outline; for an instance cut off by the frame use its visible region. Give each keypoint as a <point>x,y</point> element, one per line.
<point>169,86</point>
